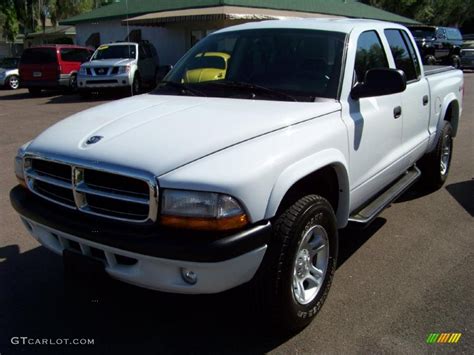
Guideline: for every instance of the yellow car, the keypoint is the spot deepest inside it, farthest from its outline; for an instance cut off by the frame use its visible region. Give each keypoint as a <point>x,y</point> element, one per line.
<point>207,66</point>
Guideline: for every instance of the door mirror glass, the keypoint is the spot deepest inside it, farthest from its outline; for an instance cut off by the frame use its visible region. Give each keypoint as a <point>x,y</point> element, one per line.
<point>379,82</point>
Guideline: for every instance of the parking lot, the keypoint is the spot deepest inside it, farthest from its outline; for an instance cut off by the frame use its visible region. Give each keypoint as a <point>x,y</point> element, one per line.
<point>407,275</point>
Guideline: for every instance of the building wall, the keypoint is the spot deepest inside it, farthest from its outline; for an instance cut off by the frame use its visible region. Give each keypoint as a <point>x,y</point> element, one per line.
<point>170,43</point>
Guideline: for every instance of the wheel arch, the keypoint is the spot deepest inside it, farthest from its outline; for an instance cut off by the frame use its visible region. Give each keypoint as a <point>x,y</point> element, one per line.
<point>451,114</point>
<point>323,174</point>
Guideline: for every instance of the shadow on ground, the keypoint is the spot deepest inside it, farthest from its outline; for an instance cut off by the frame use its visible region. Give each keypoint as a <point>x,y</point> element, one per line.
<point>124,319</point>
<point>463,193</point>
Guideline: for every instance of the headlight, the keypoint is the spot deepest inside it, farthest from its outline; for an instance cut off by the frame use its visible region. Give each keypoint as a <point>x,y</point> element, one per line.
<point>19,167</point>
<point>124,69</point>
<point>201,210</point>
<point>82,71</point>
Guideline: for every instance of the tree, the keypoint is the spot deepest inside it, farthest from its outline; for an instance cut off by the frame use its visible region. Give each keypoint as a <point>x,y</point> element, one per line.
<point>435,12</point>
<point>62,9</point>
<point>8,20</point>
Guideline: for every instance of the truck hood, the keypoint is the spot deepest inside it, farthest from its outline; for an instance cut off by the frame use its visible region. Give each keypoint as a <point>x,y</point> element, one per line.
<point>159,133</point>
<point>108,63</point>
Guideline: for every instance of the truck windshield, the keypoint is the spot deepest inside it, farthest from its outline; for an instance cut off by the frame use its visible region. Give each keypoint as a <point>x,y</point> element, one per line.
<point>115,52</point>
<point>279,64</point>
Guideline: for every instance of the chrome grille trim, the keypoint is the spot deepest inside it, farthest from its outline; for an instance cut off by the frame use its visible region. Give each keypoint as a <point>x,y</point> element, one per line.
<point>80,189</point>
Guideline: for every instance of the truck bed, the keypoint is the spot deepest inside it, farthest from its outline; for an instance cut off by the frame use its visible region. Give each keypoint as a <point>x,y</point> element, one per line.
<point>435,69</point>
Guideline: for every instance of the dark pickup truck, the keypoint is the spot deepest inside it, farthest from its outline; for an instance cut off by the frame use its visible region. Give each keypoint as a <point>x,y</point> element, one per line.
<point>438,45</point>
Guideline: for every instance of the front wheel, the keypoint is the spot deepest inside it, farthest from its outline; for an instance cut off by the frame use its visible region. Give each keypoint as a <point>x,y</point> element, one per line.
<point>435,165</point>
<point>136,84</point>
<point>456,61</point>
<point>297,280</point>
<point>13,82</point>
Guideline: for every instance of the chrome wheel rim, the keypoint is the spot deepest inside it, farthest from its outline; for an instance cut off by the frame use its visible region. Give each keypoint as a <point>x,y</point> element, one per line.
<point>311,264</point>
<point>445,155</point>
<point>14,82</point>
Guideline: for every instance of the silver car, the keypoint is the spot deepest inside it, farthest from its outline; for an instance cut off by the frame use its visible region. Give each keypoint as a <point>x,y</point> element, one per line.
<point>119,65</point>
<point>9,76</point>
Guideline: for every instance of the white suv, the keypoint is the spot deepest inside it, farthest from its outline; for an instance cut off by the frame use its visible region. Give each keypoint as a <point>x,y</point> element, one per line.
<point>119,65</point>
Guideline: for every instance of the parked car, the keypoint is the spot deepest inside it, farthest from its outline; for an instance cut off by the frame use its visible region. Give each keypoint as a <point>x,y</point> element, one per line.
<point>52,67</point>
<point>207,66</point>
<point>120,65</point>
<point>467,55</point>
<point>201,187</point>
<point>9,77</point>
<point>438,44</point>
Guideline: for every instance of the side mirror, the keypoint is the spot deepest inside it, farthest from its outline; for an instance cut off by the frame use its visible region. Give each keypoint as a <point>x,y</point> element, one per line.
<point>380,82</point>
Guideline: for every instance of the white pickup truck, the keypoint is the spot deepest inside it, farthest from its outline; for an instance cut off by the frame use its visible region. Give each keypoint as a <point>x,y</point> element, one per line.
<point>245,176</point>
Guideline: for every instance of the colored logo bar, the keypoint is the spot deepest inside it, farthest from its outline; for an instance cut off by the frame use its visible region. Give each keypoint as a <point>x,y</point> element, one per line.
<point>439,338</point>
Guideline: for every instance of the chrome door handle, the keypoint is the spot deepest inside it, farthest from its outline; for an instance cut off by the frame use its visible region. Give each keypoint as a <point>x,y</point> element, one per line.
<point>425,100</point>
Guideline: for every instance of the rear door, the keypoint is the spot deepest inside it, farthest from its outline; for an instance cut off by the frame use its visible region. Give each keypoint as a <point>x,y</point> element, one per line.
<point>39,64</point>
<point>415,99</point>
<point>374,128</point>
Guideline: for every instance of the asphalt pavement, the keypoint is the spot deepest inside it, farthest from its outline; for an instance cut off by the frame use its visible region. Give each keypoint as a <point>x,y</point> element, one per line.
<point>408,275</point>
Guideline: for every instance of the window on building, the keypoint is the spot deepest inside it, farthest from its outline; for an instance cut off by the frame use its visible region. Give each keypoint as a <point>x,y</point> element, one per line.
<point>370,54</point>
<point>93,40</point>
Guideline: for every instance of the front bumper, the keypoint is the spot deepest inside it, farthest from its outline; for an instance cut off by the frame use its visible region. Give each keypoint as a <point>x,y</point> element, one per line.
<point>103,81</point>
<point>155,257</point>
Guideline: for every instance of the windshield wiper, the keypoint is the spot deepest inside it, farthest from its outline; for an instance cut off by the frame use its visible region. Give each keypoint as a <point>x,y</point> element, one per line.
<point>183,88</point>
<point>254,87</point>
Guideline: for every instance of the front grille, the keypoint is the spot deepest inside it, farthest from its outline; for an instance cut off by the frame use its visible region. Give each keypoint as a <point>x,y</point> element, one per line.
<point>92,191</point>
<point>101,71</point>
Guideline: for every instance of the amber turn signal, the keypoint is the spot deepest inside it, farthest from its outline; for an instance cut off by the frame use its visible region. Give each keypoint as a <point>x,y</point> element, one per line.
<point>205,224</point>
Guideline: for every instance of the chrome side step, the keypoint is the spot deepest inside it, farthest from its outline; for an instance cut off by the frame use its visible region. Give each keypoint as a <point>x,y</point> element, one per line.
<point>368,213</point>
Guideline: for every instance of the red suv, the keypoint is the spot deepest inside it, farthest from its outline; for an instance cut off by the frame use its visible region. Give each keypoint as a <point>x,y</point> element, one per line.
<point>51,66</point>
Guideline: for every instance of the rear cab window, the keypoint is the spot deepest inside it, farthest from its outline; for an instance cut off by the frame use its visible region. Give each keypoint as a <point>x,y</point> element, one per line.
<point>370,55</point>
<point>39,56</point>
<point>403,53</point>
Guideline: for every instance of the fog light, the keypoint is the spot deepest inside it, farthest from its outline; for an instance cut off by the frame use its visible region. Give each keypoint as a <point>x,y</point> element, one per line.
<point>189,276</point>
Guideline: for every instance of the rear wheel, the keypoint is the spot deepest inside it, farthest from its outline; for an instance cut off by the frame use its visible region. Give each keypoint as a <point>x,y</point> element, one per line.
<point>435,165</point>
<point>34,91</point>
<point>296,280</point>
<point>13,82</point>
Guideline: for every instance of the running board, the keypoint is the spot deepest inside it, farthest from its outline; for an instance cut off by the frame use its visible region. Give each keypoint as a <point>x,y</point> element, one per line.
<point>368,213</point>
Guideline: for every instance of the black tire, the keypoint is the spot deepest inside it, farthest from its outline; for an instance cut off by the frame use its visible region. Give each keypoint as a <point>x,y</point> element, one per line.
<point>13,82</point>
<point>73,83</point>
<point>137,84</point>
<point>430,60</point>
<point>275,282</point>
<point>434,174</point>
<point>34,91</point>
<point>456,61</point>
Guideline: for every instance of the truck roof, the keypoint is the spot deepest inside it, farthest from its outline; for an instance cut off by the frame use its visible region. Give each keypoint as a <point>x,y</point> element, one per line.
<point>325,24</point>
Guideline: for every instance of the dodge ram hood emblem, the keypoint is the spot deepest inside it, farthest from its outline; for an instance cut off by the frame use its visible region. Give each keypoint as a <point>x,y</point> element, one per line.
<point>94,139</point>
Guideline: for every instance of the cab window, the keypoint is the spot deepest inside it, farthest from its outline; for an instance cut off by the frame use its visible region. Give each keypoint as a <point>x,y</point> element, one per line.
<point>401,54</point>
<point>370,54</point>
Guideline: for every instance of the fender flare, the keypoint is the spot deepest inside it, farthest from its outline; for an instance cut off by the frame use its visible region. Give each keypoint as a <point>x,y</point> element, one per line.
<point>306,166</point>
